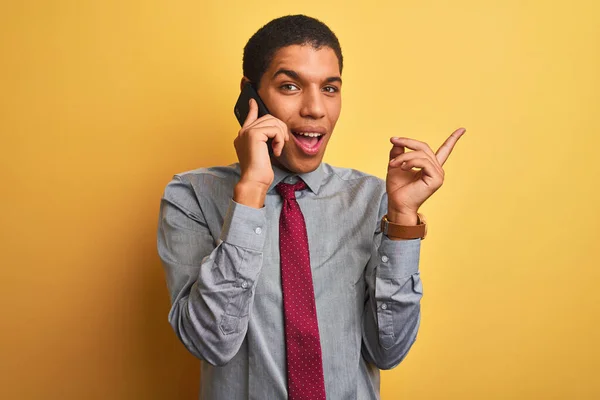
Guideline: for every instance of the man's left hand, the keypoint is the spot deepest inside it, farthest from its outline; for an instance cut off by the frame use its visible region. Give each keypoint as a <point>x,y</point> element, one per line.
<point>407,190</point>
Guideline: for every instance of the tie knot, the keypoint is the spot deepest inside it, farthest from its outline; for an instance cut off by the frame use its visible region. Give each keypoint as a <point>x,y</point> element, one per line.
<point>288,191</point>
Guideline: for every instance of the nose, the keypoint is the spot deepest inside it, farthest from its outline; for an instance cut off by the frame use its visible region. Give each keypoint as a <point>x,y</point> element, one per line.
<point>312,104</point>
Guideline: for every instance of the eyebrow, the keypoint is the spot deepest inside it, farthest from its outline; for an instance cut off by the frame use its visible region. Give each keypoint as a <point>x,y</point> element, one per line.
<point>294,75</point>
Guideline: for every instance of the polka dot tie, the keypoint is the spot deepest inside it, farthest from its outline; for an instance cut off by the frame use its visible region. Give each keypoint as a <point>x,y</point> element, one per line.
<point>303,346</point>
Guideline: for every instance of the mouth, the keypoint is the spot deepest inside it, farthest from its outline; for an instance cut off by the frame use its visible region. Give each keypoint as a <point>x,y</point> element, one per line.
<point>308,140</point>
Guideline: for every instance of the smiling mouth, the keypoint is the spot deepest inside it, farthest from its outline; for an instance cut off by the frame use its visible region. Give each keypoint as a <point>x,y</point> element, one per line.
<point>309,142</point>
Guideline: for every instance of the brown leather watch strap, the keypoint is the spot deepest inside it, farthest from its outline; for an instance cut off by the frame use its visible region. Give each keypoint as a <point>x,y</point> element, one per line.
<point>396,231</point>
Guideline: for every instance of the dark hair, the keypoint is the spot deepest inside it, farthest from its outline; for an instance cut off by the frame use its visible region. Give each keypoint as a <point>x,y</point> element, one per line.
<point>282,32</point>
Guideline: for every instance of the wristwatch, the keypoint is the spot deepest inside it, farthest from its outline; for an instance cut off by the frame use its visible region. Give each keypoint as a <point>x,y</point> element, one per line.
<point>396,231</point>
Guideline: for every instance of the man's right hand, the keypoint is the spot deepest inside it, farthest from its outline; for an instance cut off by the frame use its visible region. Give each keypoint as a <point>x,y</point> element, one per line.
<point>253,155</point>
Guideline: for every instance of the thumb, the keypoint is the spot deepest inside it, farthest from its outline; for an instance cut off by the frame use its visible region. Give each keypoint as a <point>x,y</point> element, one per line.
<point>252,113</point>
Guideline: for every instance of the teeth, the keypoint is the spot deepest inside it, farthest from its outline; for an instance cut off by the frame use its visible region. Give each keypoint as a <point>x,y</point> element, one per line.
<point>310,134</point>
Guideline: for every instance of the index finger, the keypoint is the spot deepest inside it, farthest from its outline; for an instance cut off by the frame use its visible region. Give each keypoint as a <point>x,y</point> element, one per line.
<point>252,113</point>
<point>445,149</point>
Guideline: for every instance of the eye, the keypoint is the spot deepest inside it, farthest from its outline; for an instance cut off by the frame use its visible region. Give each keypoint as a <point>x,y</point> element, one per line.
<point>331,89</point>
<point>289,87</point>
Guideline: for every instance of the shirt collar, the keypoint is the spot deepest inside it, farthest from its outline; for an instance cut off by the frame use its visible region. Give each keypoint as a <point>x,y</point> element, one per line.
<point>313,179</point>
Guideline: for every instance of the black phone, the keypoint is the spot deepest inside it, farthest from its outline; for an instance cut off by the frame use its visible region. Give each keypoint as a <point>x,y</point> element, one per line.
<point>242,107</point>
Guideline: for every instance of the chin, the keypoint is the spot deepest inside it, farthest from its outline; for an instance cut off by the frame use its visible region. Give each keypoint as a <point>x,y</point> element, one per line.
<point>298,166</point>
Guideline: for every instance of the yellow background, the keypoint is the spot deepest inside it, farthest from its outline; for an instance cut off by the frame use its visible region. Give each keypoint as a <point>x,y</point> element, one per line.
<point>103,101</point>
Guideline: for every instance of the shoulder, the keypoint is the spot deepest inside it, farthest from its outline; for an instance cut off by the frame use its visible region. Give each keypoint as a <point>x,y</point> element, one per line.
<point>201,176</point>
<point>354,177</point>
<point>190,186</point>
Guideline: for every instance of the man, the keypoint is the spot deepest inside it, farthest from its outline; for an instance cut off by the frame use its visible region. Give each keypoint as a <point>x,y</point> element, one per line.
<point>281,279</point>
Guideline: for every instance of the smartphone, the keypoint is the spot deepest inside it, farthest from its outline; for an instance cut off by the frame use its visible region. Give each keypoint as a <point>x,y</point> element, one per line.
<point>242,108</point>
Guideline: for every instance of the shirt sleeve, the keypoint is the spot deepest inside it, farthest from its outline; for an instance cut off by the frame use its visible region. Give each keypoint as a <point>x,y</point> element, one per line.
<point>211,283</point>
<point>392,312</point>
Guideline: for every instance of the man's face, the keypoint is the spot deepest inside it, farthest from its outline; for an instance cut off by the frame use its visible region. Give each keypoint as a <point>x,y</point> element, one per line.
<point>302,88</point>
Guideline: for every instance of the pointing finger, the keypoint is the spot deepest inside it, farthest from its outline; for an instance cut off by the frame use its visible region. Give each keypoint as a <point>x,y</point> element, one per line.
<point>445,149</point>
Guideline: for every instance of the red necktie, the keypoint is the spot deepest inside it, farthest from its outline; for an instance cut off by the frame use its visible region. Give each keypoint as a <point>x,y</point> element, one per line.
<point>302,343</point>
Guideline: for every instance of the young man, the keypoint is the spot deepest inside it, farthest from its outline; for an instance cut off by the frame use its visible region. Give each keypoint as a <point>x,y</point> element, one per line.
<point>284,281</point>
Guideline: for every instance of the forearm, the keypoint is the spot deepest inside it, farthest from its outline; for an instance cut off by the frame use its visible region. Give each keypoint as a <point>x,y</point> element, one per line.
<point>392,308</point>
<point>210,315</point>
<point>212,294</point>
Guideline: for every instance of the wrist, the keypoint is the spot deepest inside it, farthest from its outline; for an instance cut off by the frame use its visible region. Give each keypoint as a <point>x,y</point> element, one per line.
<point>406,225</point>
<point>251,194</point>
<point>406,218</point>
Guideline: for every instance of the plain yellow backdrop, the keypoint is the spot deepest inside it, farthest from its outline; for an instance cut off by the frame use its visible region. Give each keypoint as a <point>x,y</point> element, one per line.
<point>103,101</point>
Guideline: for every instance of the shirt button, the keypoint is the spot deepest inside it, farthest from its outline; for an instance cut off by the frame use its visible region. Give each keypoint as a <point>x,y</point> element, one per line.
<point>384,258</point>
<point>245,285</point>
<point>384,306</point>
<point>258,230</point>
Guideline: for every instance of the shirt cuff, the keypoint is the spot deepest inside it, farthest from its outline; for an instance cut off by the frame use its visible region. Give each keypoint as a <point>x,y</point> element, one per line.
<point>398,258</point>
<point>244,226</point>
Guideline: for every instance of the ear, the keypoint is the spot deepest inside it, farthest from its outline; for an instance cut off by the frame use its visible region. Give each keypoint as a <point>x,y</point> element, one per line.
<point>243,82</point>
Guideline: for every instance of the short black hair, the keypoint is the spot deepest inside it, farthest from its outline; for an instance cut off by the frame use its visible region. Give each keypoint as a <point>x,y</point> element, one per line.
<point>281,32</point>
